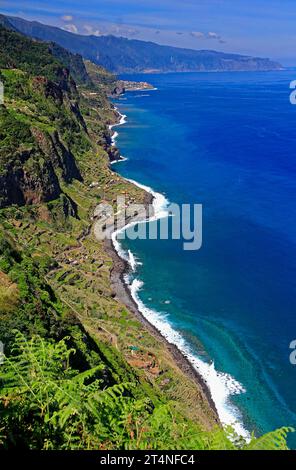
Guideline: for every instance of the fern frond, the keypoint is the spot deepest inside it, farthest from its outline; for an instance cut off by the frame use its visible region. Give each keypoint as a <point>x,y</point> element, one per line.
<point>275,440</point>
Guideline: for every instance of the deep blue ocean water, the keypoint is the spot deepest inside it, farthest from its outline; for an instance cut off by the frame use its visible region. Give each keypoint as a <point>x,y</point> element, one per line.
<point>227,141</point>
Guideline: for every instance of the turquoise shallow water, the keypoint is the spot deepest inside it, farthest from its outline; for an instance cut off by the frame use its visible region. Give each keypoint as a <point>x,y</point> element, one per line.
<point>226,141</point>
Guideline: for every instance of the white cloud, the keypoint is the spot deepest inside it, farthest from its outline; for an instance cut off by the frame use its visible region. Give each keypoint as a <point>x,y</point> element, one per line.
<point>67,18</point>
<point>132,32</point>
<point>72,28</point>
<point>121,30</point>
<point>197,34</point>
<point>212,35</point>
<point>90,30</point>
<point>209,35</point>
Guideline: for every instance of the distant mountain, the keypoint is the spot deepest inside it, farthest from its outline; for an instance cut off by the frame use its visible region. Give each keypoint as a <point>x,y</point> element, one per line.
<point>4,21</point>
<point>74,62</point>
<point>121,55</point>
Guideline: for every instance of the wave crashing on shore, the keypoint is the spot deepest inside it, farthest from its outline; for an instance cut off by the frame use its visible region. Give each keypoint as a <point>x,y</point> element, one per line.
<point>115,135</point>
<point>221,385</point>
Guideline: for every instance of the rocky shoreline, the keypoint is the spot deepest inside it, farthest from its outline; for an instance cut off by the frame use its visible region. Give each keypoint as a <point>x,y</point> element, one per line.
<point>122,293</point>
<point>129,85</point>
<point>122,86</point>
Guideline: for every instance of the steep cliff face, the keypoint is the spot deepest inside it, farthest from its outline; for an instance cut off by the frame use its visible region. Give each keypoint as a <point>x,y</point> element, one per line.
<point>74,63</point>
<point>61,158</point>
<point>41,127</point>
<point>30,168</point>
<point>28,179</point>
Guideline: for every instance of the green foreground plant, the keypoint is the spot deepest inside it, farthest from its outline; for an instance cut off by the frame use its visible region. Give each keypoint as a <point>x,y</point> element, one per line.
<point>46,404</point>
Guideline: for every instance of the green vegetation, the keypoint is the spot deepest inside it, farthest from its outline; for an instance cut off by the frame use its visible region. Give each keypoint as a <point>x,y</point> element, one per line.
<point>13,131</point>
<point>100,76</point>
<point>27,55</point>
<point>34,308</point>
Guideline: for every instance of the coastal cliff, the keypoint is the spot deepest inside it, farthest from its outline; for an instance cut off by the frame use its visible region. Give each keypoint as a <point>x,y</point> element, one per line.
<point>55,150</point>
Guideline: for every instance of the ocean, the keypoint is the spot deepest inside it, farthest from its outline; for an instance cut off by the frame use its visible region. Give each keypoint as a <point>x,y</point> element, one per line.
<point>226,141</point>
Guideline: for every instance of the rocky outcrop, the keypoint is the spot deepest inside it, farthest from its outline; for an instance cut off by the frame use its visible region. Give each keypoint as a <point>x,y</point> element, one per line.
<point>113,153</point>
<point>48,88</point>
<point>74,62</point>
<point>106,143</point>
<point>32,176</point>
<point>63,93</point>
<point>61,158</point>
<point>39,142</point>
<point>32,182</point>
<point>127,85</point>
<point>119,89</point>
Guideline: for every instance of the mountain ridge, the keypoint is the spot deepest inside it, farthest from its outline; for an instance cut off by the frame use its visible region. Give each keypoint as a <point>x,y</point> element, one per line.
<point>132,55</point>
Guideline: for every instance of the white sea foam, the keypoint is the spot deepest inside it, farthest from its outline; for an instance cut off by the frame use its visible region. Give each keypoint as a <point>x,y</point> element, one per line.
<point>115,135</point>
<point>121,159</point>
<point>221,385</point>
<point>141,89</point>
<point>122,120</point>
<point>132,260</point>
<point>160,202</point>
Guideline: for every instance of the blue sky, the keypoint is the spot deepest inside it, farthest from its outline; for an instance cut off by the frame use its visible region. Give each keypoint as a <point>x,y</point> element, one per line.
<point>256,27</point>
